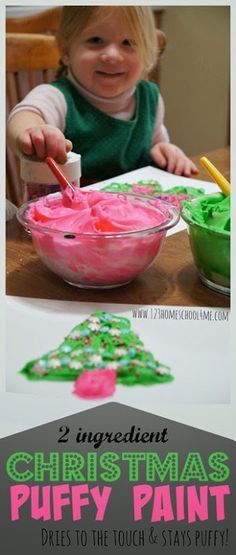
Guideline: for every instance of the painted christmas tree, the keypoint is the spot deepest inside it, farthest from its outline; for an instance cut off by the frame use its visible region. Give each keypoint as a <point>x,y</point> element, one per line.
<point>102,343</point>
<point>174,195</point>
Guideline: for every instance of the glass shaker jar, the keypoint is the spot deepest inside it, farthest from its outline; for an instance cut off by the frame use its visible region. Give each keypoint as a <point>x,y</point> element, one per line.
<point>38,180</point>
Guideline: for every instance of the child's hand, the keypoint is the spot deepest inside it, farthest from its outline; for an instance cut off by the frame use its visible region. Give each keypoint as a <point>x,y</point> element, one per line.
<point>44,140</point>
<point>172,159</point>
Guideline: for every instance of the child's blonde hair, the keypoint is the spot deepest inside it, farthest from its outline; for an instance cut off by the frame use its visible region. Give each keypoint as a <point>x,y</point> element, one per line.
<point>137,20</point>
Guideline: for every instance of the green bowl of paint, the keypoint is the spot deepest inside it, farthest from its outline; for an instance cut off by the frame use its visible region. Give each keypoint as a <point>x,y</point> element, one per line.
<point>208,223</point>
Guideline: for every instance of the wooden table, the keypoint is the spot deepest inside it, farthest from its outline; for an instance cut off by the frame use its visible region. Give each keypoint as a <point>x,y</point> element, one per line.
<point>172,280</point>
<point>220,158</point>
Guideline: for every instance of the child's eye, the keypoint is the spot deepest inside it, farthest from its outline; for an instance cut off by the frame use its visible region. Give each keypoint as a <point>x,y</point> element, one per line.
<point>94,40</point>
<point>128,42</point>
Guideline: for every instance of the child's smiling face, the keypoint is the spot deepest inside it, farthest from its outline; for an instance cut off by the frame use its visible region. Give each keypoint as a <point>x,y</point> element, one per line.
<point>104,58</point>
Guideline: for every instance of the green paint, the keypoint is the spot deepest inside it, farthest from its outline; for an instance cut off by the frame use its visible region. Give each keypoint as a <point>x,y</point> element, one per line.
<point>208,219</point>
<point>102,341</point>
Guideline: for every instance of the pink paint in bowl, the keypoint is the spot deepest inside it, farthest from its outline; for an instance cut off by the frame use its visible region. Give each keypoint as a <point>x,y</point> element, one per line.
<point>104,240</point>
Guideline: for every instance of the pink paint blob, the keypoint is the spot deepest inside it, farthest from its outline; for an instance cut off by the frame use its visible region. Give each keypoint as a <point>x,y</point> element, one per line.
<point>95,384</point>
<point>143,189</point>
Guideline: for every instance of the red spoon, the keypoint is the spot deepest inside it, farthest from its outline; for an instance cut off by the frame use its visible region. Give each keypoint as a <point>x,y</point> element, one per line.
<point>66,186</point>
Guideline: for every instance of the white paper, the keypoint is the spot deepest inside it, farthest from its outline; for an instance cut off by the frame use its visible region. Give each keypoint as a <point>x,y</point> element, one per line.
<point>200,369</point>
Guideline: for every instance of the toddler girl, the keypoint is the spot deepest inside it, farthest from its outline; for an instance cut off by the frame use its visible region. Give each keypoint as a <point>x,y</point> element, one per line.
<point>101,103</point>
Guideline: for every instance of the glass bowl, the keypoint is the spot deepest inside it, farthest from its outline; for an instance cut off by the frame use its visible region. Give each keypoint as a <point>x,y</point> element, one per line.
<point>100,260</point>
<point>210,249</point>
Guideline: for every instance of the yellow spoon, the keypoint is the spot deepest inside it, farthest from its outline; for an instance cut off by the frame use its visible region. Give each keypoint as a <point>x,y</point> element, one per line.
<point>217,176</point>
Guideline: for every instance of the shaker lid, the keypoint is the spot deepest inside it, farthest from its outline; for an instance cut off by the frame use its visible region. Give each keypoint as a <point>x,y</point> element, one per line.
<point>33,170</point>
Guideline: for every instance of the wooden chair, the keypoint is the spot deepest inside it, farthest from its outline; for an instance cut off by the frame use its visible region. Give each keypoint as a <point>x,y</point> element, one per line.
<point>31,59</point>
<point>29,62</point>
<point>42,22</point>
<point>34,54</point>
<point>161,41</point>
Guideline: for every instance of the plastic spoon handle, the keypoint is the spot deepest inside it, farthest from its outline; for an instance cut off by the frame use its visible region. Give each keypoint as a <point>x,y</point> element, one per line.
<point>63,181</point>
<point>217,176</point>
